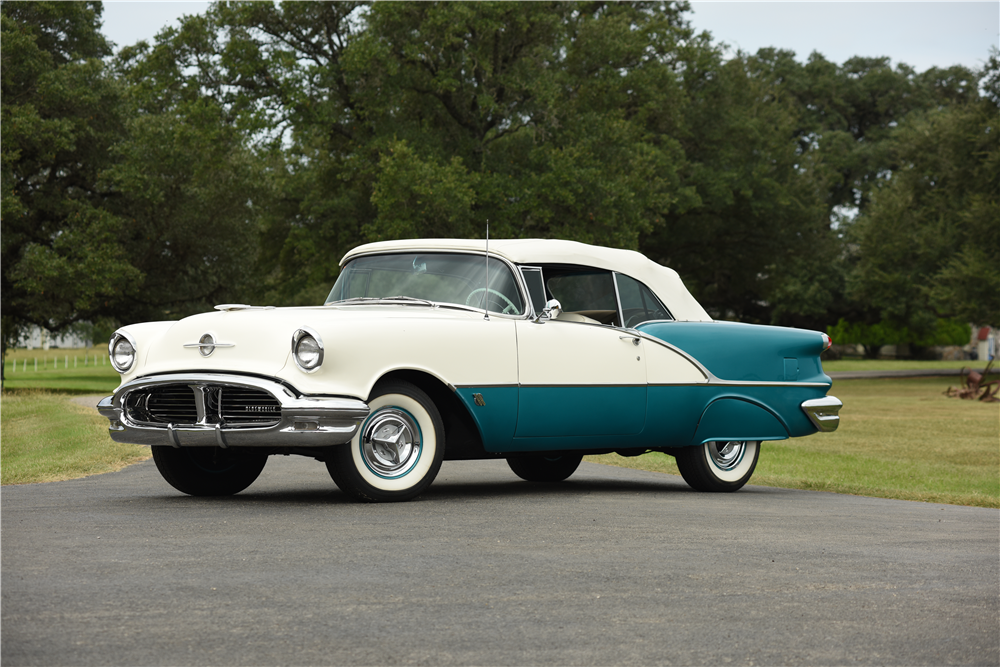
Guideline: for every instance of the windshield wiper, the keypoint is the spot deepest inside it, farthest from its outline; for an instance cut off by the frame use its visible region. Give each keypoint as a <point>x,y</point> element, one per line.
<point>408,299</point>
<point>353,299</point>
<point>383,299</point>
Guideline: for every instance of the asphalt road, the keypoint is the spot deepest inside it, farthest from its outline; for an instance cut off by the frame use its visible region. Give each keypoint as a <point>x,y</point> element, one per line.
<point>614,567</point>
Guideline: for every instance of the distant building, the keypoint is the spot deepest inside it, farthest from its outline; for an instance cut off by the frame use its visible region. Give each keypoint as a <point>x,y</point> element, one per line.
<point>39,338</point>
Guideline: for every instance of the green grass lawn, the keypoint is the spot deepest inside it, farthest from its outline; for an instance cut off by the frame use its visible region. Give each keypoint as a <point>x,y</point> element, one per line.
<point>898,365</point>
<point>47,438</point>
<point>69,371</point>
<point>898,438</point>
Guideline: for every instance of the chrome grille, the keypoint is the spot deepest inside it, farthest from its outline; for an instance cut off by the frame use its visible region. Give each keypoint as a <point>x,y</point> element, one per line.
<point>241,405</point>
<point>231,406</point>
<point>172,404</point>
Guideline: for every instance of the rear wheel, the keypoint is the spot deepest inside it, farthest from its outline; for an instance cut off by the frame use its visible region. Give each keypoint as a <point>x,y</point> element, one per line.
<point>544,468</point>
<point>718,466</point>
<point>398,450</point>
<point>208,471</point>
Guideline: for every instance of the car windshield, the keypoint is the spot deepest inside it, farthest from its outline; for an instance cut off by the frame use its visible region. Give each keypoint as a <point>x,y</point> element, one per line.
<point>440,277</point>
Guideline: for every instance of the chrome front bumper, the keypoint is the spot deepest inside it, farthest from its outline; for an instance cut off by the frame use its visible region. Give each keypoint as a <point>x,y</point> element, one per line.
<point>824,412</point>
<point>303,421</point>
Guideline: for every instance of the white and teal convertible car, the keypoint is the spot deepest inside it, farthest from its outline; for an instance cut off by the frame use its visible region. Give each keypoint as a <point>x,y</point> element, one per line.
<point>537,352</point>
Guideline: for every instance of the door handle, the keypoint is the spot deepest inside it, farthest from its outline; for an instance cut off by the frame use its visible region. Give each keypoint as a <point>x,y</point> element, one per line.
<point>634,339</point>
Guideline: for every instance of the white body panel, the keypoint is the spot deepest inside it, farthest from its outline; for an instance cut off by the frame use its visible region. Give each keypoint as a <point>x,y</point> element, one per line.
<point>665,365</point>
<point>261,339</point>
<point>459,348</point>
<point>362,343</point>
<point>568,353</point>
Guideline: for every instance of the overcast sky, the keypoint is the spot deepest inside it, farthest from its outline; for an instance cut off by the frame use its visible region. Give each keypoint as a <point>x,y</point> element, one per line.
<point>921,34</point>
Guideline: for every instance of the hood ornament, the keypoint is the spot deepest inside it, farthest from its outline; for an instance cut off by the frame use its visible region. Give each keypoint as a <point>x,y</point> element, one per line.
<point>206,345</point>
<point>227,307</point>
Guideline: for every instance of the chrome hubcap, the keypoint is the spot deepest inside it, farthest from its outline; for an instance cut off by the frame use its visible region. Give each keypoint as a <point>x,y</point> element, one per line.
<point>727,455</point>
<point>390,443</point>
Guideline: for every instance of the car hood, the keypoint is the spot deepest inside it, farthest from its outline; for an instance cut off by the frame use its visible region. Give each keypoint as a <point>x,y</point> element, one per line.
<point>258,340</point>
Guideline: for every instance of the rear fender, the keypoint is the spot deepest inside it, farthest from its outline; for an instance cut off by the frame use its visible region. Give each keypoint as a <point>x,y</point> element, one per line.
<point>738,419</point>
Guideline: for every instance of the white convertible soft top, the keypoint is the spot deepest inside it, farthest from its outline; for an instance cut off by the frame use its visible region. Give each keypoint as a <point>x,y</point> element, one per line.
<point>532,252</point>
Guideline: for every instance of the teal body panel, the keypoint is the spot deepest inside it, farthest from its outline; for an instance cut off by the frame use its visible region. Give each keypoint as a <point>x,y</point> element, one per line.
<point>757,413</point>
<point>541,419</point>
<point>746,352</point>
<point>783,402</point>
<point>496,418</point>
<point>566,417</point>
<point>580,411</point>
<point>676,416</point>
<point>737,419</point>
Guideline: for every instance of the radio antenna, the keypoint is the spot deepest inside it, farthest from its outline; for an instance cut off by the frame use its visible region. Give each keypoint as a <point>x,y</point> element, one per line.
<point>487,295</point>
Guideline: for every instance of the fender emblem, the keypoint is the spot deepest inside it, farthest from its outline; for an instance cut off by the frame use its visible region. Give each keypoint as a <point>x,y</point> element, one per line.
<point>478,398</point>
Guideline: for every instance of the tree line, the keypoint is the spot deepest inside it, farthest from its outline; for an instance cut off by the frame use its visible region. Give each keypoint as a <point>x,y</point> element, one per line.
<point>237,158</point>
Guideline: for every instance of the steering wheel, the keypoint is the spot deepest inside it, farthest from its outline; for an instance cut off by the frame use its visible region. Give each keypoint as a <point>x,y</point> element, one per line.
<point>635,317</point>
<point>510,307</point>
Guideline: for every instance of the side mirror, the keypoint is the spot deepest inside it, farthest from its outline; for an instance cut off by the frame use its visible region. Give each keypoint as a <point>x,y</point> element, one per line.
<point>551,310</point>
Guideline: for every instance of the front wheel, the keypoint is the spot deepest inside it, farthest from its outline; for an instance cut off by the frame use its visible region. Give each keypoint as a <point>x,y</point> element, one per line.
<point>398,450</point>
<point>208,471</point>
<point>544,468</point>
<point>718,466</point>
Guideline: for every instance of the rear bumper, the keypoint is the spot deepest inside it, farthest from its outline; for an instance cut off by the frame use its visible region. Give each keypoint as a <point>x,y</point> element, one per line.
<point>824,412</point>
<point>303,421</point>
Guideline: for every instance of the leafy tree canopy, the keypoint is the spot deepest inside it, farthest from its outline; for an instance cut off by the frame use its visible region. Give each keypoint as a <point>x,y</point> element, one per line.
<point>117,201</point>
<point>929,245</point>
<point>399,120</point>
<point>241,154</point>
<point>61,115</point>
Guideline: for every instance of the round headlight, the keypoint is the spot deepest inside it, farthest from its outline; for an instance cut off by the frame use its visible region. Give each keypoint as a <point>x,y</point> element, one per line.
<point>307,350</point>
<point>122,351</point>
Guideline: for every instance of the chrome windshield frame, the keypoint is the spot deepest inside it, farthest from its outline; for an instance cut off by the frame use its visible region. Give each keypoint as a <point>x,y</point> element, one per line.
<point>416,301</point>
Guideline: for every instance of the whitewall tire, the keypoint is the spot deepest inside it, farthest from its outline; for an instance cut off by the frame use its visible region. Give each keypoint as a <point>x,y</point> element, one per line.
<point>718,466</point>
<point>398,449</point>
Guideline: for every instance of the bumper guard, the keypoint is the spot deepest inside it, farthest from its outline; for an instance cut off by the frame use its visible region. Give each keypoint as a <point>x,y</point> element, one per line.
<point>824,412</point>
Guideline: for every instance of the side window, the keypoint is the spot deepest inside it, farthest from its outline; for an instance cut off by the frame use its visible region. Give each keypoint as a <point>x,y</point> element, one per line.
<point>590,294</point>
<point>639,304</point>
